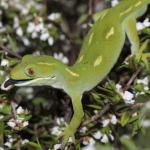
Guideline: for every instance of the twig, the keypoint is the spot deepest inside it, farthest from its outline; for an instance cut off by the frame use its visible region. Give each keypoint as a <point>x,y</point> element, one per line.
<point>132,79</point>
<point>58,26</point>
<point>91,8</point>
<point>13,110</point>
<point>97,116</point>
<point>137,106</point>
<point>91,11</point>
<point>4,48</point>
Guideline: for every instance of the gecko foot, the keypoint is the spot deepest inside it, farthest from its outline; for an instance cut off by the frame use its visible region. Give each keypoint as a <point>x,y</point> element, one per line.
<point>67,134</point>
<point>144,58</point>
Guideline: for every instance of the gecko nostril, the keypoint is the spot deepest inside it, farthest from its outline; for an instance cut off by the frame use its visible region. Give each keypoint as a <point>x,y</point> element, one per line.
<point>53,77</point>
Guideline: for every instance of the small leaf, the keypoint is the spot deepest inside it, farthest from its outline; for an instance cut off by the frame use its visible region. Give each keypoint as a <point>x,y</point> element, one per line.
<point>94,106</point>
<point>125,118</point>
<point>37,146</point>
<point>6,109</point>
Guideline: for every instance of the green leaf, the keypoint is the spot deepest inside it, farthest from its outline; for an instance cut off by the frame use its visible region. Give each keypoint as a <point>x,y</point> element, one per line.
<point>128,143</point>
<point>95,107</point>
<point>12,43</point>
<point>6,109</point>
<point>125,118</point>
<point>35,145</point>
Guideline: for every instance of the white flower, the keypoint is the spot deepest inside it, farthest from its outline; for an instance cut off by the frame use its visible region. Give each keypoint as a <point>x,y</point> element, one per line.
<point>8,144</point>
<point>54,16</point>
<point>24,141</point>
<point>4,62</point>
<point>1,24</point>
<point>104,139</point>
<point>2,72</point>
<point>61,57</point>
<point>1,105</point>
<point>139,26</point>
<point>26,41</point>
<point>55,131</point>
<point>142,25</point>
<point>146,123</point>
<point>89,147</point>
<point>105,122</point>
<point>19,31</point>
<point>39,27</point>
<point>44,36</point>
<point>57,146</point>
<point>4,4</point>
<point>16,22</point>
<point>11,140</point>
<point>11,124</point>
<point>146,88</point>
<point>25,11</point>
<point>114,3</point>
<point>25,123</point>
<point>83,129</point>
<point>88,141</point>
<point>111,137</point>
<point>31,27</point>
<point>1,148</point>
<point>146,22</point>
<point>28,90</point>
<point>128,97</point>
<point>60,121</point>
<point>62,37</point>
<point>97,135</point>
<point>20,110</point>
<point>147,105</point>
<point>70,140</point>
<point>144,81</point>
<point>50,41</point>
<point>34,35</point>
<point>113,119</point>
<point>1,117</point>
<point>118,87</point>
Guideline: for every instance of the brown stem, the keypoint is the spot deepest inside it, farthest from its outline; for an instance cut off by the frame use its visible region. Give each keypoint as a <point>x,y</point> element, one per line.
<point>5,49</point>
<point>13,109</point>
<point>97,116</point>
<point>132,79</point>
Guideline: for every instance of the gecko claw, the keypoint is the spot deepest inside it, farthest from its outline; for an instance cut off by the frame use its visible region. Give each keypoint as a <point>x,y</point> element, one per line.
<point>67,136</point>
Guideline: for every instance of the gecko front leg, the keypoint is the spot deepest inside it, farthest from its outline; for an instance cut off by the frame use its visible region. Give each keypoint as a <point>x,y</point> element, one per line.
<point>136,50</point>
<point>75,121</point>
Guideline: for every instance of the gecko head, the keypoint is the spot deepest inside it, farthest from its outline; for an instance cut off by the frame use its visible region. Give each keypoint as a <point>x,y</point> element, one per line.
<point>32,71</point>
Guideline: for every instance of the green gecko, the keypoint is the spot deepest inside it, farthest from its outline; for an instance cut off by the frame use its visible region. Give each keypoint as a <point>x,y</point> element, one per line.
<point>100,51</point>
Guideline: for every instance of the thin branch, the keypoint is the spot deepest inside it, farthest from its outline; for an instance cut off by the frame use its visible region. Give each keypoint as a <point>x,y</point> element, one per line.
<point>58,26</point>
<point>13,110</point>
<point>97,116</point>
<point>137,106</point>
<point>5,49</point>
<point>91,11</point>
<point>132,79</point>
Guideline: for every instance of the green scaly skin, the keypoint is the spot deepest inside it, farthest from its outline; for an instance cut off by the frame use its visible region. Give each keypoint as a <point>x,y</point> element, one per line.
<point>100,51</point>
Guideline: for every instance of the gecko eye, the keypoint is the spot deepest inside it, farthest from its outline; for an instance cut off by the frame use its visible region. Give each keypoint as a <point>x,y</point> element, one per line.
<point>30,72</point>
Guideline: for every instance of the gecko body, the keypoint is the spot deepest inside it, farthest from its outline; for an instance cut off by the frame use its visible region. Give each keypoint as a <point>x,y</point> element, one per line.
<point>100,51</point>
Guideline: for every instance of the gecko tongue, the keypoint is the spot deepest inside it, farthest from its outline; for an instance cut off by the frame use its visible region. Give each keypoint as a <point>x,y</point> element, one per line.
<point>9,82</point>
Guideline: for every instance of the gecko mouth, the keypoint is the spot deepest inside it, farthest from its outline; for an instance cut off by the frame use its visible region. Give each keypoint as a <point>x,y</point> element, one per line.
<point>9,83</point>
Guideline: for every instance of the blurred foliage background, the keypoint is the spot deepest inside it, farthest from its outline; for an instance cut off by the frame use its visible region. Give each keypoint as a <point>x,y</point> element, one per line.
<point>117,111</point>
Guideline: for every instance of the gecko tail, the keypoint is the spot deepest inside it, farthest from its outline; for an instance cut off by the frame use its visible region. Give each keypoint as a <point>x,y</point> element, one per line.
<point>129,7</point>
